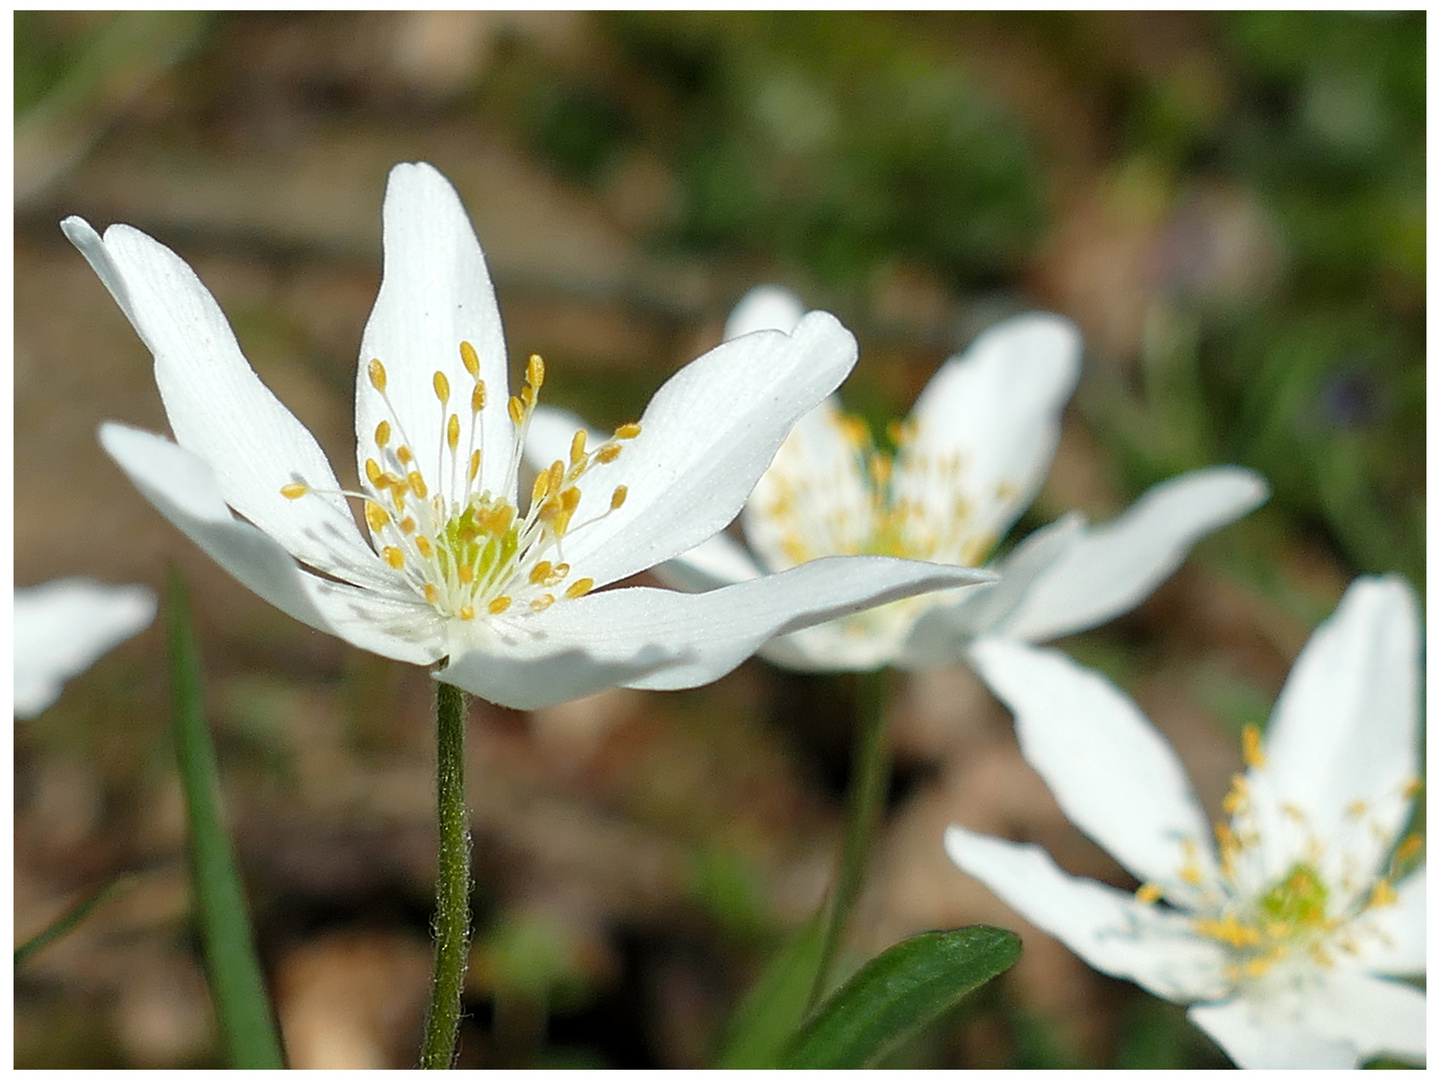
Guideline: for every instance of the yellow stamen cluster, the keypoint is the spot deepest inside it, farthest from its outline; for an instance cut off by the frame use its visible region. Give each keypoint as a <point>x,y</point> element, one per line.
<point>911,504</point>
<point>1265,918</point>
<point>465,549</point>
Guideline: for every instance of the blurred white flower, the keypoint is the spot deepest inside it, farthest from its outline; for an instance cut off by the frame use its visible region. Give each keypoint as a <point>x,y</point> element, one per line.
<point>64,626</point>
<point>970,458</point>
<point>1280,931</point>
<point>459,566</point>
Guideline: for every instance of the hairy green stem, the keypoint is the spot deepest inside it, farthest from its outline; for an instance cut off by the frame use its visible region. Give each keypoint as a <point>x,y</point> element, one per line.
<point>452,891</point>
<point>869,779</point>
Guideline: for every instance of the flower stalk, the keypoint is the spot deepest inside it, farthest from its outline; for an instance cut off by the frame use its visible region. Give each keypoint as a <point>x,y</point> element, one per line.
<point>870,779</point>
<point>452,890</point>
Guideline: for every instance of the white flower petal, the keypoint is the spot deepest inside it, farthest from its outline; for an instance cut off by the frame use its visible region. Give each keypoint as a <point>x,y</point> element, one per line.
<point>944,633</point>
<point>1391,939</point>
<point>1334,1021</point>
<point>435,292</point>
<point>512,675</point>
<point>219,409</point>
<point>712,632</point>
<point>1107,928</point>
<point>1113,774</point>
<point>183,488</point>
<point>831,646</point>
<point>765,307</point>
<point>62,627</point>
<point>997,409</point>
<point>705,438</point>
<point>716,562</point>
<point>813,493</point>
<point>1120,563</point>
<point>1345,726</point>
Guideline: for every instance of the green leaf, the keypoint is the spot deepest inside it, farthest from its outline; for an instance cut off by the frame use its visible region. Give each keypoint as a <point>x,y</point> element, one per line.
<point>898,993</point>
<point>247,1024</point>
<point>775,1006</point>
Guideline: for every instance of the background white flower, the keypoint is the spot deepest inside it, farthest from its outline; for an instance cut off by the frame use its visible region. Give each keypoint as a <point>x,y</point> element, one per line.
<point>64,626</point>
<point>1282,929</point>
<point>971,457</point>
<point>458,564</point>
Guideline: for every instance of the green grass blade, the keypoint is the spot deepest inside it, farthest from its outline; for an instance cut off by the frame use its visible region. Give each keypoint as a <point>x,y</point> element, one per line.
<point>72,917</point>
<point>897,994</point>
<point>247,1024</point>
<point>770,1014</point>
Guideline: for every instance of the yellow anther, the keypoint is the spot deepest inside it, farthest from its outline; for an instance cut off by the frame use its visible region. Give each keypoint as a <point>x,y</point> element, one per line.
<point>423,545</point>
<point>452,432</point>
<point>1148,893</point>
<point>535,371</point>
<point>373,473</point>
<point>466,573</point>
<point>1238,794</point>
<point>474,464</point>
<point>467,612</point>
<point>403,455</point>
<point>542,486</point>
<point>498,605</point>
<point>470,358</point>
<point>527,397</point>
<point>294,491</point>
<point>407,525</point>
<point>1411,846</point>
<point>617,497</point>
<point>627,431</point>
<point>395,557</point>
<point>1357,809</point>
<point>557,476</point>
<point>577,447</point>
<point>579,588</point>
<point>1191,875</point>
<point>540,572</point>
<point>1256,967</point>
<point>442,387</point>
<point>561,569</point>
<point>375,516</point>
<point>382,433</point>
<point>432,594</point>
<point>540,603</point>
<point>376,371</point>
<point>417,483</point>
<point>1250,740</point>
<point>1383,894</point>
<point>607,453</point>
<point>477,396</point>
<point>517,411</point>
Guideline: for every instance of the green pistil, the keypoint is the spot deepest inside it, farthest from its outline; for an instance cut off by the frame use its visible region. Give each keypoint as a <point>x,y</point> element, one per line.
<point>1299,899</point>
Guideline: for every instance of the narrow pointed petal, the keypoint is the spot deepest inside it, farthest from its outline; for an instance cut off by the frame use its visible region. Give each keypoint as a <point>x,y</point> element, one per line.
<point>219,409</point>
<point>688,480</point>
<point>1113,774</point>
<point>1337,1021</point>
<point>1105,927</point>
<point>62,627</point>
<point>712,632</point>
<point>812,501</point>
<point>1345,729</point>
<point>992,413</point>
<point>765,307</point>
<point>1121,563</point>
<point>435,292</point>
<point>1392,938</point>
<point>183,488</point>
<point>944,633</point>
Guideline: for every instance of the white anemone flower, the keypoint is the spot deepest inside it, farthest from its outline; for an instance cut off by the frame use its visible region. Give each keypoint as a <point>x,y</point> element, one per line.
<point>458,565</point>
<point>64,626</point>
<point>970,458</point>
<point>1284,929</point>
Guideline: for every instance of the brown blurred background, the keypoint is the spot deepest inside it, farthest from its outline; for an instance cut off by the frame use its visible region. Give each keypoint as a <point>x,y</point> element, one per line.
<point>1231,207</point>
